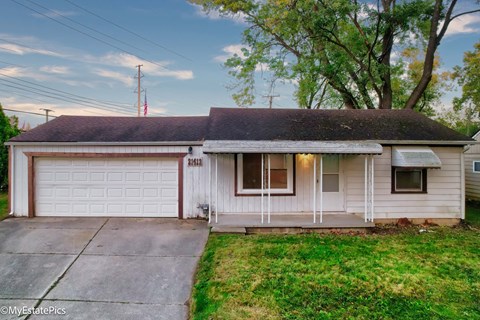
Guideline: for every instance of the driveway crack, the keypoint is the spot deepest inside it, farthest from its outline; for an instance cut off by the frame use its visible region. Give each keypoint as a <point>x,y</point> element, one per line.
<point>54,284</point>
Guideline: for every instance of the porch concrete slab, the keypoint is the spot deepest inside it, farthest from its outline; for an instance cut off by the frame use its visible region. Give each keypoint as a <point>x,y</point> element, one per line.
<point>28,240</point>
<point>12,309</point>
<point>342,220</point>
<point>128,279</point>
<point>85,310</point>
<point>56,222</point>
<point>30,275</point>
<point>151,241</point>
<point>229,230</point>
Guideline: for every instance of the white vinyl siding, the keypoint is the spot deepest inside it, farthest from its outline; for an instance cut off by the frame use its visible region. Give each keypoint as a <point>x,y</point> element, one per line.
<point>472,179</point>
<point>442,200</point>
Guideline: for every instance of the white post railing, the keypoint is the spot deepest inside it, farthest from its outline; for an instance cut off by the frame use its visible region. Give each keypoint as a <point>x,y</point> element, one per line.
<point>314,188</point>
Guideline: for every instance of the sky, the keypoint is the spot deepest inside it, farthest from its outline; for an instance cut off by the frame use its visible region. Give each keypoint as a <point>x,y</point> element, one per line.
<point>79,57</point>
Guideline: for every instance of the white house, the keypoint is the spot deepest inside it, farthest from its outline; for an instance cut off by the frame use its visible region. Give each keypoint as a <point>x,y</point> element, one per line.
<point>379,165</point>
<point>472,170</point>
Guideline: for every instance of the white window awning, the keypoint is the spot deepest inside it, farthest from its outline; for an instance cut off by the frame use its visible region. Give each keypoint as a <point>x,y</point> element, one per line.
<point>415,157</point>
<point>315,147</point>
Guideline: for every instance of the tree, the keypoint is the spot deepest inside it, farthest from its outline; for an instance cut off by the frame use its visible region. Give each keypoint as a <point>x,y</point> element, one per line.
<point>465,114</point>
<point>8,130</point>
<point>468,77</point>
<point>338,49</point>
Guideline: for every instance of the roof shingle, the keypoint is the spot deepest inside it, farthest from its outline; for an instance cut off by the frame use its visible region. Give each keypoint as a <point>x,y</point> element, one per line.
<point>248,124</point>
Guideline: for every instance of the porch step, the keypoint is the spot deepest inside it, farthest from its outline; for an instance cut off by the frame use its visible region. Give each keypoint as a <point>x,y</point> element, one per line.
<point>230,230</point>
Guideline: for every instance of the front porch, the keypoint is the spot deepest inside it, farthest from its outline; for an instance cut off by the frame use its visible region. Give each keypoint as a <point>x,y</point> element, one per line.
<point>289,223</point>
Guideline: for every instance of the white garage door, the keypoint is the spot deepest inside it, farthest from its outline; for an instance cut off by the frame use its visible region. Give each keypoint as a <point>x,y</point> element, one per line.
<point>130,187</point>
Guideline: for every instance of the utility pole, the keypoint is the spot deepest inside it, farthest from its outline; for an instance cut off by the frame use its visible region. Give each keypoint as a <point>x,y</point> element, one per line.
<point>139,89</point>
<point>270,99</point>
<point>47,111</point>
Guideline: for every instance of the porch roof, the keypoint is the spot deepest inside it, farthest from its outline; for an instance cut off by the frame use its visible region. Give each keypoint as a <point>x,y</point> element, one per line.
<point>263,146</point>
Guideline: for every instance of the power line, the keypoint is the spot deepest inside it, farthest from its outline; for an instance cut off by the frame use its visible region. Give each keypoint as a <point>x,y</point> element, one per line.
<point>11,64</point>
<point>29,112</point>
<point>89,35</point>
<point>85,26</point>
<point>106,103</point>
<point>22,45</point>
<point>44,101</point>
<point>129,31</point>
<point>66,99</point>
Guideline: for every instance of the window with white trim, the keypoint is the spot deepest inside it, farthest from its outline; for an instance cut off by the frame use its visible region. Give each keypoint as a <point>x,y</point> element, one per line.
<point>409,180</point>
<point>476,166</point>
<point>249,174</point>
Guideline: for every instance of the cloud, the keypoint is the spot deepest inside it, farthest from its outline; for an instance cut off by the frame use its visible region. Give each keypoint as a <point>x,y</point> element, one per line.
<point>159,68</point>
<point>22,50</point>
<point>236,49</point>
<point>238,18</point>
<point>230,51</point>
<point>55,69</point>
<point>464,24</point>
<point>125,79</point>
<point>12,72</point>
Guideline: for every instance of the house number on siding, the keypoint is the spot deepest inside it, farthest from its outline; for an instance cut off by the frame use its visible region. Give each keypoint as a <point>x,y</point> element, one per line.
<point>195,162</point>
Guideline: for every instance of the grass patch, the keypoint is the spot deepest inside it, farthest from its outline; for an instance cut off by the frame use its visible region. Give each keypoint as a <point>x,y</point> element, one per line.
<point>3,205</point>
<point>472,214</point>
<point>434,275</point>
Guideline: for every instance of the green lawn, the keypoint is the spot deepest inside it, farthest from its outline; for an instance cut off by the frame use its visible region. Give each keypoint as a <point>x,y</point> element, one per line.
<point>3,205</point>
<point>399,274</point>
<point>472,215</point>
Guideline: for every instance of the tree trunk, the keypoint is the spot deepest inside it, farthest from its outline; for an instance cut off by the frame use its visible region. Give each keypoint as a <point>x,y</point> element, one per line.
<point>433,42</point>
<point>386,100</point>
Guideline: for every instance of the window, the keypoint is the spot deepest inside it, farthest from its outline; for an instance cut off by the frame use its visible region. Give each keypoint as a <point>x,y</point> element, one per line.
<point>476,166</point>
<point>409,180</point>
<point>249,173</point>
<point>331,169</point>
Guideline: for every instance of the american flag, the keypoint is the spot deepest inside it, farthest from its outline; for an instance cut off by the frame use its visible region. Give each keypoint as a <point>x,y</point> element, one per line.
<point>145,105</point>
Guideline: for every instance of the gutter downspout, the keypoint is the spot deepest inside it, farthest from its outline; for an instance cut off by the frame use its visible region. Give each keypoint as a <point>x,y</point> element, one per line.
<point>12,175</point>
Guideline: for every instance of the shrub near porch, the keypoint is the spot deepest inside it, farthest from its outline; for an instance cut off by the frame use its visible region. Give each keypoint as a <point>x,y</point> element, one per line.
<point>3,205</point>
<point>403,274</point>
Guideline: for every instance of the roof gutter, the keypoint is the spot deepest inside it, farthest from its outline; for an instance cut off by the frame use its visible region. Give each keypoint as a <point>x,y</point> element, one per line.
<point>92,143</point>
<point>200,143</point>
<point>424,142</point>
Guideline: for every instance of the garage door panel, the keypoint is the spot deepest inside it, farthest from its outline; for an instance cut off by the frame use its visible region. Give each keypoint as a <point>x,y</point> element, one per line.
<point>132,193</point>
<point>106,187</point>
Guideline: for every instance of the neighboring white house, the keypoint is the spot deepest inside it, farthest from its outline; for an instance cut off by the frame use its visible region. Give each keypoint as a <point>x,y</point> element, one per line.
<point>380,164</point>
<point>472,170</point>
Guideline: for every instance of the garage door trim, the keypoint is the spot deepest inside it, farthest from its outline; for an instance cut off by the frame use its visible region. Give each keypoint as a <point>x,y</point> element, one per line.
<point>31,170</point>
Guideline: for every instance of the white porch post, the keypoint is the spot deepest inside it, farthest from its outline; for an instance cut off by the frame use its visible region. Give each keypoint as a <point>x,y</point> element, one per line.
<point>263,187</point>
<point>209,189</point>
<point>314,188</point>
<point>462,185</point>
<point>216,188</point>
<point>321,188</point>
<point>373,190</point>
<point>269,187</point>
<point>366,188</point>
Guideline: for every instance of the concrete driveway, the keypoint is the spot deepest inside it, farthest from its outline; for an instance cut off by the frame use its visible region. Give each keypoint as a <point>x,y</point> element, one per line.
<point>99,268</point>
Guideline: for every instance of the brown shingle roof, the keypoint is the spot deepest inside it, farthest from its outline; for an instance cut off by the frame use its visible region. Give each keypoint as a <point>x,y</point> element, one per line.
<point>117,129</point>
<point>326,125</point>
<point>248,124</point>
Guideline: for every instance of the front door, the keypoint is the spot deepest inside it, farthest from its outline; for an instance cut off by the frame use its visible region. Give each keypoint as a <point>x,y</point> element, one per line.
<point>333,196</point>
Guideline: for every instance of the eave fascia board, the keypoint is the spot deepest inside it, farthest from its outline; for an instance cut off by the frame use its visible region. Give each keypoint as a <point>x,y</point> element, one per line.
<point>424,142</point>
<point>140,143</point>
